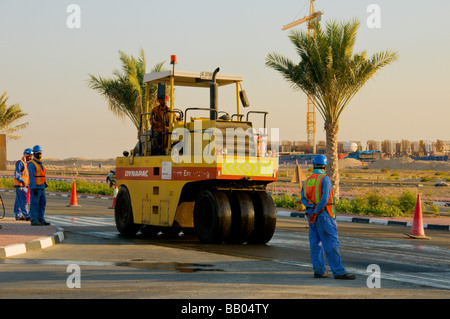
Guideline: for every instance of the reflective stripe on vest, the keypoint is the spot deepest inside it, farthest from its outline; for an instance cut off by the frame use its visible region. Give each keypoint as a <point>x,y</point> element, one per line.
<point>312,189</point>
<point>25,175</point>
<point>39,175</point>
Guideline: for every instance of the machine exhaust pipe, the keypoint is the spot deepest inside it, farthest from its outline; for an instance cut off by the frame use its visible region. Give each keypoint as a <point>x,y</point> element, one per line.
<point>213,96</point>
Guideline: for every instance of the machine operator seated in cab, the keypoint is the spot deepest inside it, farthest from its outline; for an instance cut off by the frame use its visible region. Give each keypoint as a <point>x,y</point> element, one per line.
<point>158,123</point>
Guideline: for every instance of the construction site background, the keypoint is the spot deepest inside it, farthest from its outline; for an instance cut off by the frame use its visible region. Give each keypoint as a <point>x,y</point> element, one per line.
<point>420,148</point>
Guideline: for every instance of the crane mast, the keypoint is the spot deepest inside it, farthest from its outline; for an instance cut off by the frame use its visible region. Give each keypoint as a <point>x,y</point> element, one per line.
<point>314,16</point>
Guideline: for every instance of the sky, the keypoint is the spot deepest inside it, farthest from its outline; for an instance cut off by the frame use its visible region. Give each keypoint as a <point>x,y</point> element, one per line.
<point>45,64</point>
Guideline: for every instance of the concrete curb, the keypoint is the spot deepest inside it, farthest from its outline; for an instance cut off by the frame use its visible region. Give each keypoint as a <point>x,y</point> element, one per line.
<point>362,220</point>
<point>40,243</point>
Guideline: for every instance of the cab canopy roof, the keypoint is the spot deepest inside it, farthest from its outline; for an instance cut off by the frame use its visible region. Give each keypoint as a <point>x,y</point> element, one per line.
<point>202,79</point>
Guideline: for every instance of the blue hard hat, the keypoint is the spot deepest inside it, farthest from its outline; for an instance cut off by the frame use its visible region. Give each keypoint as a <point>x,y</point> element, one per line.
<point>28,151</point>
<point>37,149</point>
<point>320,160</point>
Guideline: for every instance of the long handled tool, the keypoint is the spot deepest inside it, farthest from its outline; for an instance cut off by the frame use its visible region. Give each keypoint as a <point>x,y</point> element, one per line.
<point>2,207</point>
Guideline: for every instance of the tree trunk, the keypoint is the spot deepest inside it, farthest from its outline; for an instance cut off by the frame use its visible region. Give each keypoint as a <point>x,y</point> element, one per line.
<point>331,130</point>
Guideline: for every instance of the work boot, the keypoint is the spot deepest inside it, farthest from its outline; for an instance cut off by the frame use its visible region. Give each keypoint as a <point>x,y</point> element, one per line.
<point>346,276</point>
<point>325,275</point>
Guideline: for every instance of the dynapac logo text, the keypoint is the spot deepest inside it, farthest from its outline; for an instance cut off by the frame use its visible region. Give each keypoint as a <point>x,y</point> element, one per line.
<point>136,173</point>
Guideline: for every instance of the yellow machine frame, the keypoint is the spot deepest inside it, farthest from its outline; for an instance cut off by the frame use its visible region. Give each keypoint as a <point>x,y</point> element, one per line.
<point>156,183</point>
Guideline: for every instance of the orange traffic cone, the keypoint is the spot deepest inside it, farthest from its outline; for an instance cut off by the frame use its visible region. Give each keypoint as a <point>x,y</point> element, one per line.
<point>73,197</point>
<point>417,231</point>
<point>114,200</point>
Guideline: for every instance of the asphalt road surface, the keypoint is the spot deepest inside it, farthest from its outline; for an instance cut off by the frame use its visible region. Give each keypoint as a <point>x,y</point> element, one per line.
<point>94,261</point>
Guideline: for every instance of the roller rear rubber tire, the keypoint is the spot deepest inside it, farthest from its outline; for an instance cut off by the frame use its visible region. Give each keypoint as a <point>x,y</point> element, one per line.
<point>243,218</point>
<point>265,218</point>
<point>212,217</point>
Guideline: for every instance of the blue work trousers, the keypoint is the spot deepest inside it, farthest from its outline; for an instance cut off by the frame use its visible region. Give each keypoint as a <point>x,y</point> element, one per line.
<point>323,237</point>
<point>20,204</point>
<point>37,206</point>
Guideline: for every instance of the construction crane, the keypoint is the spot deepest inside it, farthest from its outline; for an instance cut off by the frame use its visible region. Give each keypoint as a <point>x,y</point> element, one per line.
<point>314,16</point>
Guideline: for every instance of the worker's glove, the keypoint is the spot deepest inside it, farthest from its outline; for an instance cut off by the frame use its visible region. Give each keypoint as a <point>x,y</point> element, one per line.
<point>312,218</point>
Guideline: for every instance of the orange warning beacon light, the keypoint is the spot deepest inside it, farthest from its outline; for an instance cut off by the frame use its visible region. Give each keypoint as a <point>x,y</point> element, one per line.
<point>173,59</point>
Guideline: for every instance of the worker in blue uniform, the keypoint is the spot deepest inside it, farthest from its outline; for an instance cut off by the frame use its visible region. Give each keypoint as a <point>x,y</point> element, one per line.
<point>38,185</point>
<point>21,182</point>
<point>318,198</point>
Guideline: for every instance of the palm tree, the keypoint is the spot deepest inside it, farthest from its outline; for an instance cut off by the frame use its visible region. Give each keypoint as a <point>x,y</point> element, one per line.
<point>330,74</point>
<point>9,115</point>
<point>125,92</point>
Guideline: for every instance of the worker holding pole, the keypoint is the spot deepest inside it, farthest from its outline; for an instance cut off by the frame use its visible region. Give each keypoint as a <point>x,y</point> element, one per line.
<point>21,182</point>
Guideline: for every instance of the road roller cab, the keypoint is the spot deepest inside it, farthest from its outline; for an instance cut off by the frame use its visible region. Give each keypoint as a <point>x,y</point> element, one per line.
<point>206,171</point>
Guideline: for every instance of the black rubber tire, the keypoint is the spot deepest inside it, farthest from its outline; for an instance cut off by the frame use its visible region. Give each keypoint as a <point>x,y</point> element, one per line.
<point>123,214</point>
<point>212,217</point>
<point>265,218</point>
<point>242,218</point>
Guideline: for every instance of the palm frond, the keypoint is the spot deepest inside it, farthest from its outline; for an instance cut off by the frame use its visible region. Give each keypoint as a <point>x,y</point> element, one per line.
<point>125,91</point>
<point>9,115</point>
<point>329,71</point>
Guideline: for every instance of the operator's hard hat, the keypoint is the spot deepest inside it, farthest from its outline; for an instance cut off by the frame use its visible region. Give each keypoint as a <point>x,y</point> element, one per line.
<point>28,151</point>
<point>320,160</point>
<point>37,149</point>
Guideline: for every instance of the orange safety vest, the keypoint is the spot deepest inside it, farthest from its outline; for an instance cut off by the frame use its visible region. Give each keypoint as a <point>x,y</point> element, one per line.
<point>25,176</point>
<point>312,188</point>
<point>39,175</point>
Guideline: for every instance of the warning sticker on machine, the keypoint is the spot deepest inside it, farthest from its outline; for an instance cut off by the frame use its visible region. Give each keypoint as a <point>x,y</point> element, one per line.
<point>166,170</point>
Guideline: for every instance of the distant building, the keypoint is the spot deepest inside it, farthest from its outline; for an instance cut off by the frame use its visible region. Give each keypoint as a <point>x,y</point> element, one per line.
<point>386,147</point>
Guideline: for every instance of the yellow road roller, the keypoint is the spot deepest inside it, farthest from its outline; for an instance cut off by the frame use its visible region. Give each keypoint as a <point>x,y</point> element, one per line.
<point>206,172</point>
